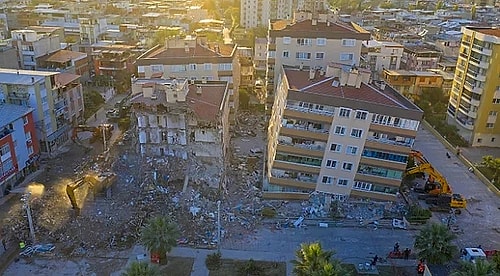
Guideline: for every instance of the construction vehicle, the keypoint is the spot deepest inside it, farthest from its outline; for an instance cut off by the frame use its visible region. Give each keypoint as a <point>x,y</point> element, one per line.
<point>97,132</point>
<point>436,191</point>
<point>96,182</point>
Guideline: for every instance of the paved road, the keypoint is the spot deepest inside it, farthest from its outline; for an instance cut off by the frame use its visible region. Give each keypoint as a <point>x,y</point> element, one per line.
<point>481,222</point>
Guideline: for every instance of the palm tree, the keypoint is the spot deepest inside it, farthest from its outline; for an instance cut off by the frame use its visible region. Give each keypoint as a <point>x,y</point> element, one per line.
<point>159,235</point>
<point>312,260</point>
<point>493,164</point>
<point>141,269</point>
<point>434,244</point>
<point>479,268</point>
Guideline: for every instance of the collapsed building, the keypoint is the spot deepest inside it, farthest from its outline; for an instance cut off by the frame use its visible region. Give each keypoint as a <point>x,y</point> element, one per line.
<point>185,123</point>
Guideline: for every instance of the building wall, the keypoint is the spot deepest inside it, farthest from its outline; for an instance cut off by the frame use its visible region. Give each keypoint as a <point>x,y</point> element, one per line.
<point>8,58</point>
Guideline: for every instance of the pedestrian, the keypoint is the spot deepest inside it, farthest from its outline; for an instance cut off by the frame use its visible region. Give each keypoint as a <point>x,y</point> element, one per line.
<point>448,155</point>
<point>4,244</point>
<point>458,150</point>
<point>406,253</point>
<point>95,116</point>
<point>396,247</point>
<point>374,261</point>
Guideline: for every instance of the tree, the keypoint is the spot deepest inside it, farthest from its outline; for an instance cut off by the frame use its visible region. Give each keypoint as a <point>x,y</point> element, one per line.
<point>492,164</point>
<point>141,269</point>
<point>213,261</point>
<point>434,244</point>
<point>479,268</point>
<point>313,260</point>
<point>159,235</point>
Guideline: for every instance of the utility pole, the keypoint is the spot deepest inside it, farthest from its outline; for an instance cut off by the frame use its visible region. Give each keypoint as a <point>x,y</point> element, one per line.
<point>218,227</point>
<point>104,138</point>
<point>26,205</point>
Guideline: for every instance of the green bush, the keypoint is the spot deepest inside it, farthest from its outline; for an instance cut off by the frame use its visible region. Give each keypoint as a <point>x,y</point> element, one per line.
<point>416,212</point>
<point>213,261</point>
<point>124,124</point>
<point>251,268</point>
<point>268,212</point>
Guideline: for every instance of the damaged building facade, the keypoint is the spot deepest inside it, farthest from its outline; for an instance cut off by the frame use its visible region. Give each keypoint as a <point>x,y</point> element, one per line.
<point>187,123</point>
<point>333,132</point>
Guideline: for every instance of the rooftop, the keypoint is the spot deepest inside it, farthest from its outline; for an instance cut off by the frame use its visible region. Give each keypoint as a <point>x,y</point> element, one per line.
<point>409,73</point>
<point>66,78</point>
<point>367,93</point>
<point>62,56</point>
<point>320,29</point>
<point>493,31</point>
<point>24,77</point>
<point>12,112</point>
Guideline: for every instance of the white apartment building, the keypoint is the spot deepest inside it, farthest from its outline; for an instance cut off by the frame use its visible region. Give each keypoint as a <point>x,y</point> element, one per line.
<point>380,55</point>
<point>31,46</point>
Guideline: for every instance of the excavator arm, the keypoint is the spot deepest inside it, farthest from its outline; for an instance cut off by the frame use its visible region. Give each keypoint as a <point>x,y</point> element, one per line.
<point>70,191</point>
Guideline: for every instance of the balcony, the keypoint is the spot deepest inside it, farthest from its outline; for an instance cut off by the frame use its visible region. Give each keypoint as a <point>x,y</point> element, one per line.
<point>388,145</point>
<point>478,63</point>
<point>376,179</point>
<point>300,183</point>
<point>480,49</point>
<point>476,75</point>
<point>19,96</point>
<point>475,102</point>
<point>291,166</point>
<point>308,114</point>
<point>291,130</point>
<point>5,132</point>
<point>301,149</point>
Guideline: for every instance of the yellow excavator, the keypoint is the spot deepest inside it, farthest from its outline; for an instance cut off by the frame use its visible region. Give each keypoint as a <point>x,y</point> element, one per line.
<point>437,190</point>
<point>96,182</point>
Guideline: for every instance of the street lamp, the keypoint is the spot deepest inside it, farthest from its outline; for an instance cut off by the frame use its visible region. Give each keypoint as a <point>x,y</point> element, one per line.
<point>26,205</point>
<point>218,227</point>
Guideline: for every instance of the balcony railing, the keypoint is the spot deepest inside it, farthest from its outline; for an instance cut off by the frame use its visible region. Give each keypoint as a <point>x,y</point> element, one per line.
<point>304,146</point>
<point>4,132</point>
<point>310,110</point>
<point>306,127</point>
<point>390,142</point>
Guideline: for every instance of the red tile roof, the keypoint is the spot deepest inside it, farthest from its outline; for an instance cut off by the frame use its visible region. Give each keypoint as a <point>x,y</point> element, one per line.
<point>198,51</point>
<point>487,31</point>
<point>65,56</point>
<point>320,85</point>
<point>206,105</point>
<point>66,78</point>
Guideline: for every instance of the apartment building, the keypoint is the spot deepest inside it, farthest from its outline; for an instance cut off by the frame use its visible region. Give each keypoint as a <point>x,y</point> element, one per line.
<point>474,104</point>
<point>380,55</point>
<point>67,61</point>
<point>33,45</point>
<point>334,133</point>
<point>194,58</point>
<point>420,57</point>
<point>186,120</point>
<point>411,83</point>
<point>311,43</point>
<point>19,150</point>
<point>56,98</point>
<point>260,57</point>
<point>255,13</point>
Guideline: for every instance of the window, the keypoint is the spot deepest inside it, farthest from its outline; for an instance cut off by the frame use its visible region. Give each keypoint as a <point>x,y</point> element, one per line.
<point>362,115</point>
<point>286,54</point>
<point>207,66</point>
<point>287,40</point>
<point>347,166</point>
<point>359,185</point>
<point>27,135</point>
<point>339,130</point>
<point>327,179</point>
<point>356,132</point>
<point>30,150</point>
<point>351,150</point>
<point>192,67</point>
<point>348,42</point>
<point>303,55</point>
<point>346,56</point>
<point>320,55</point>
<point>496,100</point>
<point>490,125</point>
<point>25,120</point>
<point>157,68</point>
<point>344,112</point>
<point>342,182</point>
<point>331,163</point>
<point>336,147</point>
<point>5,149</point>
<point>321,41</point>
<point>225,66</point>
<point>304,41</point>
<point>492,113</point>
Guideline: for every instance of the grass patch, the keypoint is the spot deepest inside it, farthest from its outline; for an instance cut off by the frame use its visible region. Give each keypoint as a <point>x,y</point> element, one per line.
<point>489,173</point>
<point>234,267</point>
<point>181,266</point>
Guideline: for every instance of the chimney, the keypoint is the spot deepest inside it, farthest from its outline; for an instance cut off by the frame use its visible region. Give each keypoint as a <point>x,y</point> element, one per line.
<point>186,48</point>
<point>314,22</point>
<point>382,86</point>
<point>312,74</point>
<point>198,90</point>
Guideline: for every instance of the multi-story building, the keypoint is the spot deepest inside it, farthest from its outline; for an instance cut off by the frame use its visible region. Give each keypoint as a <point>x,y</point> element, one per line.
<point>420,57</point>
<point>187,120</point>
<point>56,98</point>
<point>260,57</point>
<point>19,150</point>
<point>474,104</point>
<point>195,59</point>
<point>255,13</point>
<point>69,62</point>
<point>312,43</point>
<point>380,55</point>
<point>332,132</point>
<point>411,83</point>
<point>32,46</point>
<point>8,55</point>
